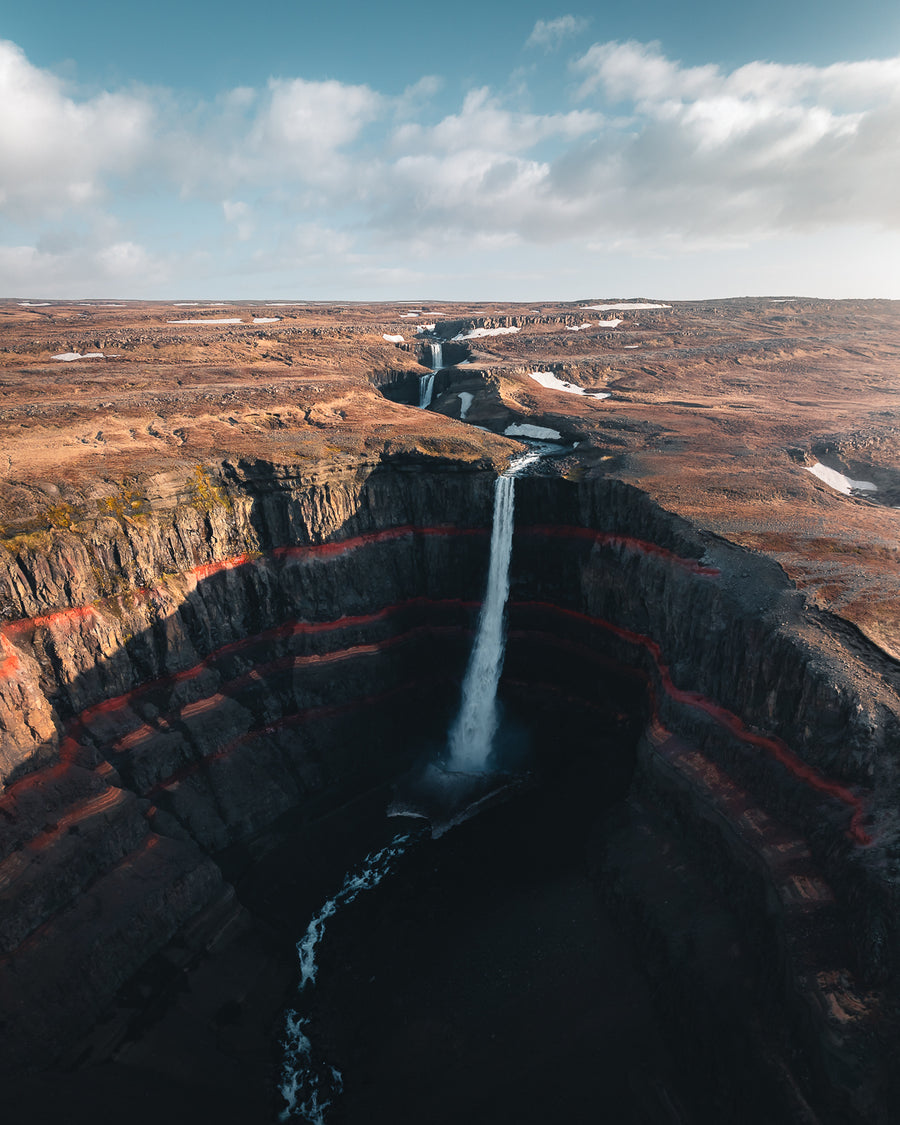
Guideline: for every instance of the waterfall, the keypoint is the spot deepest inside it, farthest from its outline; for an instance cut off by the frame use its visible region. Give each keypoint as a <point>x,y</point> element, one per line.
<point>473,731</point>
<point>426,386</point>
<point>426,383</point>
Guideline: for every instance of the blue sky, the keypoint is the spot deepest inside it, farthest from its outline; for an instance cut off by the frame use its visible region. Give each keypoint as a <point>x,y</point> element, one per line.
<point>474,151</point>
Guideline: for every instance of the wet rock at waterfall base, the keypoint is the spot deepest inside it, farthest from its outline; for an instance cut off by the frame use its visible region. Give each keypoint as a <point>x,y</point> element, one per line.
<point>446,798</point>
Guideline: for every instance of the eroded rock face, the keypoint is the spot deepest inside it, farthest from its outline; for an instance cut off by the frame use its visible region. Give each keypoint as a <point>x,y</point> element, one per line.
<point>232,594</point>
<point>167,722</point>
<point>755,778</point>
<point>288,645</point>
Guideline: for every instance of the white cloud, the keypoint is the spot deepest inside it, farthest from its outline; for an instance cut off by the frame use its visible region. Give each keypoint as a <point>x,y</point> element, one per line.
<point>240,97</point>
<point>118,268</point>
<point>549,34</point>
<point>304,125</point>
<point>765,148</point>
<point>484,124</point>
<point>313,240</point>
<point>419,94</point>
<point>239,216</point>
<point>656,158</point>
<point>459,194</point>
<point>637,71</point>
<point>235,210</point>
<point>55,152</point>
<point>123,260</point>
<point>289,138</point>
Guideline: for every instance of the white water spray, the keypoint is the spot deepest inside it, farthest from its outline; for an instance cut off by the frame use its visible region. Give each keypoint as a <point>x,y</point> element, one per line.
<point>472,734</point>
<point>426,383</point>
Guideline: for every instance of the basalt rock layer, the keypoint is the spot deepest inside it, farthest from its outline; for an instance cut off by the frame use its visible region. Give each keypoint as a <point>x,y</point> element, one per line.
<point>145,730</point>
<point>253,597</point>
<point>188,714</point>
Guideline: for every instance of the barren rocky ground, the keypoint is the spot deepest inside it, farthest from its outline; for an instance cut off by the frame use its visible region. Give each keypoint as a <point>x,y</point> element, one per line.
<point>716,409</point>
<point>240,570</point>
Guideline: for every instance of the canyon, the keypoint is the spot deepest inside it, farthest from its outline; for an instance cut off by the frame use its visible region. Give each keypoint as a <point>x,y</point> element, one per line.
<point>242,565</point>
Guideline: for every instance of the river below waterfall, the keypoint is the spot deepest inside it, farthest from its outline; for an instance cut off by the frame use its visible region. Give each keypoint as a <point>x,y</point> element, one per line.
<point>482,981</point>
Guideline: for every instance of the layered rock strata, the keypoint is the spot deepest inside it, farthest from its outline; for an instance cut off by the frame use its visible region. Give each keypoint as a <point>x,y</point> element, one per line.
<point>145,730</point>
<point>762,756</point>
<point>171,685</point>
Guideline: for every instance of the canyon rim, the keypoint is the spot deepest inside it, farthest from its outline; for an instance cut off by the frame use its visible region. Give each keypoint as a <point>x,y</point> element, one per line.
<point>244,550</point>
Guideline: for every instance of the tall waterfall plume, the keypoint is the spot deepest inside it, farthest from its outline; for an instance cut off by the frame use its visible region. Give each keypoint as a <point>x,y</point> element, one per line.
<point>426,383</point>
<point>472,733</point>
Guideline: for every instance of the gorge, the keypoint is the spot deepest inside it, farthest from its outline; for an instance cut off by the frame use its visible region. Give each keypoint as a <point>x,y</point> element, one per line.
<point>222,645</point>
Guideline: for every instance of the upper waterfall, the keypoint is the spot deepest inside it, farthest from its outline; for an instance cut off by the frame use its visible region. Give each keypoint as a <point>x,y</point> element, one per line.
<point>426,383</point>
<point>426,387</point>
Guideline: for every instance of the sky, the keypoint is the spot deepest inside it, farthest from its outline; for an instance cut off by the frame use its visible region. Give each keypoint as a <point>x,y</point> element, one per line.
<point>478,150</point>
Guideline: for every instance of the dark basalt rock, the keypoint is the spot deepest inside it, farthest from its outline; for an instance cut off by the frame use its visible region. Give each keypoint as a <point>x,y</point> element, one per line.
<point>174,688</point>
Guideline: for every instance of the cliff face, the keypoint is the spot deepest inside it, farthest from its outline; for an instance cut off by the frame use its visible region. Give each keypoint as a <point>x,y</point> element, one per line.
<point>769,730</point>
<point>174,682</point>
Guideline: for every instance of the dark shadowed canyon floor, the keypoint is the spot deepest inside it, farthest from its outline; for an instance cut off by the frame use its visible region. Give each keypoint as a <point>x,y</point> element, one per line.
<point>484,982</point>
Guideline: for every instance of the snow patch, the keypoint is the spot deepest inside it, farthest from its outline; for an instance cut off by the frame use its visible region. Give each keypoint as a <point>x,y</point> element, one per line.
<point>424,327</point>
<point>838,481</point>
<point>266,319</point>
<point>34,304</point>
<point>478,333</point>
<point>391,339</point>
<point>525,429</point>
<point>68,357</point>
<point>552,383</point>
<point>626,305</point>
<point>465,401</point>
<point>614,322</point>
<point>581,327</point>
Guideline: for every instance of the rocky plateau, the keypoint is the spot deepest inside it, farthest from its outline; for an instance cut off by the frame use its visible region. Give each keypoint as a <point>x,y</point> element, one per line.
<point>240,572</point>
